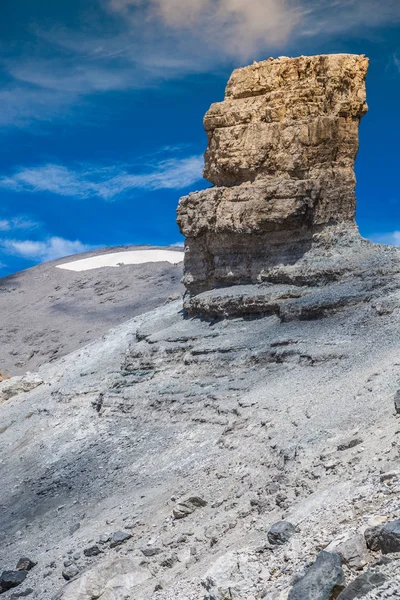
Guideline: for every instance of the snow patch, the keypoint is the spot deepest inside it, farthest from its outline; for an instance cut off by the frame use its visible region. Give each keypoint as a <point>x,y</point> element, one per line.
<point>118,259</point>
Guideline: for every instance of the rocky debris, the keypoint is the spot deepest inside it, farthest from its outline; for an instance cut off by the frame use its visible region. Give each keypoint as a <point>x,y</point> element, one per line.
<point>18,385</point>
<point>118,538</point>
<point>11,579</point>
<point>116,579</point>
<point>322,581</point>
<point>281,151</point>
<point>184,508</point>
<point>25,564</point>
<point>280,533</point>
<point>385,538</point>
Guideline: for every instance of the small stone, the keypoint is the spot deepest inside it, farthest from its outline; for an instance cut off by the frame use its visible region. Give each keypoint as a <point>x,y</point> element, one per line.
<point>280,533</point>
<point>25,564</point>
<point>323,579</point>
<point>70,572</point>
<point>151,551</point>
<point>187,507</point>
<point>104,538</point>
<point>76,556</point>
<point>11,579</point>
<point>350,443</point>
<point>119,537</point>
<point>92,551</point>
<point>67,563</point>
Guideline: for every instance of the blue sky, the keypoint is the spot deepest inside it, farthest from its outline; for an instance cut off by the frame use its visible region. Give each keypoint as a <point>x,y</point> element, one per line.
<point>102,104</point>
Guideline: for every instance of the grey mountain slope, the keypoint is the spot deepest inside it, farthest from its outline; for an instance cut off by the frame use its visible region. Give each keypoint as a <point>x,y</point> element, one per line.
<point>262,418</point>
<point>47,312</point>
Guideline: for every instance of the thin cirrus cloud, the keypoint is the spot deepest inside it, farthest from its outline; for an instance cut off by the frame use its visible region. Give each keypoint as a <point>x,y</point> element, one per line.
<point>136,44</point>
<point>17,223</point>
<point>104,182</point>
<point>43,251</point>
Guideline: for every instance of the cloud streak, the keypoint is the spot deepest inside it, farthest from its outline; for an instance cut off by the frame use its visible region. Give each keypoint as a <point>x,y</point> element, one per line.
<point>145,42</point>
<point>105,182</point>
<point>390,239</point>
<point>21,223</point>
<point>43,251</point>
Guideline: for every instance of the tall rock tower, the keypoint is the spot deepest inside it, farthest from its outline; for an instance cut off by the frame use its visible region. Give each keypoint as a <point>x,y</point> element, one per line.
<point>281,152</point>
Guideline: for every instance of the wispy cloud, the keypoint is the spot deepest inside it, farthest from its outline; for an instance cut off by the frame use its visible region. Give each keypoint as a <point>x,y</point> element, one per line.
<point>42,251</point>
<point>17,223</point>
<point>105,182</point>
<point>391,239</point>
<point>135,44</point>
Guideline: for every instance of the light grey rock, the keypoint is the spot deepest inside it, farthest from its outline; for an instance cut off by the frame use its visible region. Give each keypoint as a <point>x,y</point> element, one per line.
<point>352,550</point>
<point>114,579</point>
<point>70,572</point>
<point>18,385</point>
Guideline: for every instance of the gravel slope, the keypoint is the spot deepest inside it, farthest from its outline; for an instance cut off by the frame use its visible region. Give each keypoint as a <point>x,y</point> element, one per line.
<point>46,312</point>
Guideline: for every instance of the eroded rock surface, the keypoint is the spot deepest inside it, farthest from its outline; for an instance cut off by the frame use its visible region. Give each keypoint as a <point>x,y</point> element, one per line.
<point>281,154</point>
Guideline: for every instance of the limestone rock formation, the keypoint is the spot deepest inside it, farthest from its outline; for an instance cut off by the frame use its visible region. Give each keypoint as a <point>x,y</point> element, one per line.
<point>281,152</point>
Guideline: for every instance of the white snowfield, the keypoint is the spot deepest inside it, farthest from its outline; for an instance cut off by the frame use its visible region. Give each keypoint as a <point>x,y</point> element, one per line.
<point>118,259</point>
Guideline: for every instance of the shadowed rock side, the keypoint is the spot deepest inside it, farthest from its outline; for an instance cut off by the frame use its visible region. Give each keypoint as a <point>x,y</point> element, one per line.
<point>281,154</point>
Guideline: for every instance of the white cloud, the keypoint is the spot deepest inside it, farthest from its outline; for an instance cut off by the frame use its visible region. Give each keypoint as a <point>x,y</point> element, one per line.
<point>135,44</point>
<point>50,249</point>
<point>106,182</point>
<point>391,239</point>
<point>17,223</point>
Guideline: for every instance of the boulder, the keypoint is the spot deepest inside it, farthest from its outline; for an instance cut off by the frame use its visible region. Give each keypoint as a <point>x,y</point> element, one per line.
<point>281,152</point>
<point>322,581</point>
<point>352,549</point>
<point>363,584</point>
<point>11,579</point>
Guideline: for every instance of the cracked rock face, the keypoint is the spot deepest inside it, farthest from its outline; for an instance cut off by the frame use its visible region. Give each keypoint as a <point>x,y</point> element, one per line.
<point>281,152</point>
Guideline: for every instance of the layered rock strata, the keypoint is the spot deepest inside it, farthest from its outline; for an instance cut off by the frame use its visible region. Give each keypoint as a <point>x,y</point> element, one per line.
<point>281,152</point>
